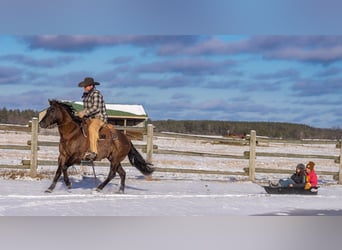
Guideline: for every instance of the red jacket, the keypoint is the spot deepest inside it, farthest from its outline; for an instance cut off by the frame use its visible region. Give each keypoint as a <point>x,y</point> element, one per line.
<point>312,178</point>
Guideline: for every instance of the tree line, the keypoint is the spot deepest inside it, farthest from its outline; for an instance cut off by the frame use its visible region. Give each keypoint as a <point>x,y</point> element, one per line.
<point>16,116</point>
<point>240,129</point>
<point>208,127</point>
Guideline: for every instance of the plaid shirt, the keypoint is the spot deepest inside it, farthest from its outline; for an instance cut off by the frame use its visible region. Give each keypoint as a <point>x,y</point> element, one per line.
<point>94,105</point>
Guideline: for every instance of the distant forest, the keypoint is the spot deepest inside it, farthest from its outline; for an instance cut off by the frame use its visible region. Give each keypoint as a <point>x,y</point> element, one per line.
<point>240,129</point>
<point>9,116</point>
<point>207,127</point>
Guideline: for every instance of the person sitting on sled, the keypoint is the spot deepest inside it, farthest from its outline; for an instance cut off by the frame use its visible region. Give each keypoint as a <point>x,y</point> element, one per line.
<point>296,180</point>
<point>311,179</point>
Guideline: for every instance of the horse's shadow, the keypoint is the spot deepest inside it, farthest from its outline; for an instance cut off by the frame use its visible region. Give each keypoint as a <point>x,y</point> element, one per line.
<point>89,182</point>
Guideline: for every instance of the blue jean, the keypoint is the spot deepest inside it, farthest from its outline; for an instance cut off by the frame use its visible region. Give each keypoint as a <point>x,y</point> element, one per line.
<point>286,182</point>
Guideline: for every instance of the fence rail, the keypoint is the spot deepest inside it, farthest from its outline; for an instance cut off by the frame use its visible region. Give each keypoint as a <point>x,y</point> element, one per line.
<point>32,145</point>
<point>10,127</point>
<point>252,155</point>
<point>150,149</point>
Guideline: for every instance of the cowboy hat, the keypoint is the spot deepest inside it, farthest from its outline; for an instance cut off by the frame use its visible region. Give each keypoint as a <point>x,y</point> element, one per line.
<point>88,81</point>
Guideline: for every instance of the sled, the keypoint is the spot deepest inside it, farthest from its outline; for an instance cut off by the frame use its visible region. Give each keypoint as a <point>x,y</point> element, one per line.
<point>291,190</point>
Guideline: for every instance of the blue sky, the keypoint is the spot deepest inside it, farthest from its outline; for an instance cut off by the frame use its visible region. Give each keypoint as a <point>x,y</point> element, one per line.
<point>282,63</point>
<point>279,78</point>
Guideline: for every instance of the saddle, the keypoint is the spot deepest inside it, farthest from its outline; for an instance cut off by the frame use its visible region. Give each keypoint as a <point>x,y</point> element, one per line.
<point>106,132</point>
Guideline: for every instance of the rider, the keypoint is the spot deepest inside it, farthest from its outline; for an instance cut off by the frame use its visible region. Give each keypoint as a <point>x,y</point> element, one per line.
<point>94,109</point>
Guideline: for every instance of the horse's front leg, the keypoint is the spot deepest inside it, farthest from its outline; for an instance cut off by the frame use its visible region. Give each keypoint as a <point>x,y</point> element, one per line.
<point>55,179</point>
<point>66,177</point>
<point>61,166</point>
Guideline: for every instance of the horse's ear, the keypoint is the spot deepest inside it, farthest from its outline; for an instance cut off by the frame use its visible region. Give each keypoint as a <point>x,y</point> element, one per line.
<point>51,101</point>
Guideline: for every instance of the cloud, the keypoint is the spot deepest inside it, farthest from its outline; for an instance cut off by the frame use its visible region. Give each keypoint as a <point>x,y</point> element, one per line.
<point>221,84</point>
<point>69,43</point>
<point>203,46</point>
<point>281,74</point>
<point>122,60</point>
<point>77,43</point>
<point>10,75</point>
<point>163,82</point>
<point>214,109</point>
<point>182,77</point>
<point>313,49</point>
<point>314,55</point>
<point>262,86</point>
<point>28,100</point>
<point>180,96</point>
<point>308,87</point>
<point>329,72</point>
<point>190,66</point>
<point>39,63</point>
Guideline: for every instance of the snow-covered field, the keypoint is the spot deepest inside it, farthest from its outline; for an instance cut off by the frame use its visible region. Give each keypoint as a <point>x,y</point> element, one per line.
<point>168,193</point>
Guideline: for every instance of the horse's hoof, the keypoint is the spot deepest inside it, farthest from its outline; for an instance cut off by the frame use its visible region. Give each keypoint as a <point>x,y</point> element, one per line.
<point>48,190</point>
<point>98,189</point>
<point>69,186</point>
<point>119,192</point>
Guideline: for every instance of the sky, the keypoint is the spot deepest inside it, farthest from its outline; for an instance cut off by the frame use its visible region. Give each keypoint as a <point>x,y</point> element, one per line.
<point>277,78</point>
<point>182,72</point>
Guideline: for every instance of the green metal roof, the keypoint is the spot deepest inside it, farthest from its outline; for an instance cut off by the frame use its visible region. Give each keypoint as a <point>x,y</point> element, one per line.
<point>110,112</point>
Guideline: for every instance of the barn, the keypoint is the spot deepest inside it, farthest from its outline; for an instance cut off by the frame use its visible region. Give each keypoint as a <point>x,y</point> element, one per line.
<point>122,114</point>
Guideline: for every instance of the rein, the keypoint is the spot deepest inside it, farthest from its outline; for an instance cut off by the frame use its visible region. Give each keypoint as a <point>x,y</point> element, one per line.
<point>82,127</point>
<point>60,125</point>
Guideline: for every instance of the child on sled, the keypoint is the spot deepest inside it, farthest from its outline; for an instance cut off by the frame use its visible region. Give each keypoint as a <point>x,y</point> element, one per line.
<point>298,179</point>
<point>311,179</point>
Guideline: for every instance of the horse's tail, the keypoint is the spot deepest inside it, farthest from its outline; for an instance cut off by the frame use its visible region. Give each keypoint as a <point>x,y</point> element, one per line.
<point>139,162</point>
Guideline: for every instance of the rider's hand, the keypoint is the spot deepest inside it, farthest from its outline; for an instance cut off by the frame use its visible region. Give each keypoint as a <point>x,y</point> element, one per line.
<point>81,114</point>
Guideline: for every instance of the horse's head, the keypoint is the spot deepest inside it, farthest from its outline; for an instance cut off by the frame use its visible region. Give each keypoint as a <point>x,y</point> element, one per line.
<point>53,115</point>
<point>57,113</point>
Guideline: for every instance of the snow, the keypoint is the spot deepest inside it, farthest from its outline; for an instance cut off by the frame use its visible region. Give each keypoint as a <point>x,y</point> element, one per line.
<point>168,194</point>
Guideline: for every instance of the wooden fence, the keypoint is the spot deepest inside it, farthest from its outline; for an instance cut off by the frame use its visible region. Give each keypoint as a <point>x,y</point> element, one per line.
<point>33,145</point>
<point>251,155</point>
<point>253,141</point>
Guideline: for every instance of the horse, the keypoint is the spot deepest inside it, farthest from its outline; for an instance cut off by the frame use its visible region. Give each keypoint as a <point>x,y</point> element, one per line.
<point>74,144</point>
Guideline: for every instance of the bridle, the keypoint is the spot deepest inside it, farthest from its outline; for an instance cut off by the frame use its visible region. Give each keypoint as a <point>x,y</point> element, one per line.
<point>56,124</point>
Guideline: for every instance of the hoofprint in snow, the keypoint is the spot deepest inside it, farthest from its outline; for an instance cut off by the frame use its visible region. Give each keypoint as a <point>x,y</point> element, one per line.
<point>169,193</point>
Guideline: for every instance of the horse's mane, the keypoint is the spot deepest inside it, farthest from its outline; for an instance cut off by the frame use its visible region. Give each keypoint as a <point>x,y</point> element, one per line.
<point>69,108</point>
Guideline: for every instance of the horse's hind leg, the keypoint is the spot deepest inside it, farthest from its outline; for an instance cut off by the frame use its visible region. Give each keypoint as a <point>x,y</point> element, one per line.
<point>110,176</point>
<point>122,174</point>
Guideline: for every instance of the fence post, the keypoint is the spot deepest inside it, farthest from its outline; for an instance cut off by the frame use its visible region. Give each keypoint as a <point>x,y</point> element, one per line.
<point>340,169</point>
<point>149,146</point>
<point>34,147</point>
<point>252,155</point>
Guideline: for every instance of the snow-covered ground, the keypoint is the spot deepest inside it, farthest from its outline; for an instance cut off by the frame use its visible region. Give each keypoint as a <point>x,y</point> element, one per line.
<point>169,193</point>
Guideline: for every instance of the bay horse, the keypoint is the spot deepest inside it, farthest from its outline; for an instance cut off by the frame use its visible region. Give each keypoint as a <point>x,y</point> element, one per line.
<point>74,144</point>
